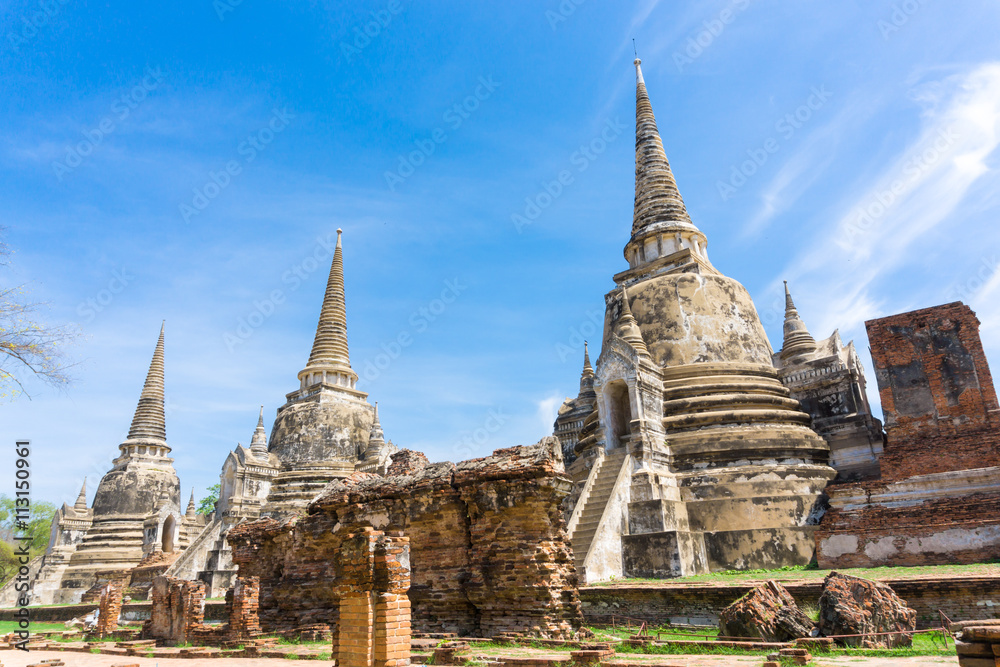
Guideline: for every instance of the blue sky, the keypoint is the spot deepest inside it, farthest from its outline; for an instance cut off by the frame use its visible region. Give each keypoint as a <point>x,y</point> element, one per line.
<point>191,163</point>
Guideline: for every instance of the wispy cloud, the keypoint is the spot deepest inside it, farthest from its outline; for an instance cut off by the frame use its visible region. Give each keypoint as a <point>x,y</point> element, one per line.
<point>803,168</point>
<point>548,408</point>
<point>918,191</point>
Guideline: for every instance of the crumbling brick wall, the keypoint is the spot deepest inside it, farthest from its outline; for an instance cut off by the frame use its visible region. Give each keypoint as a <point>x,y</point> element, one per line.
<point>178,610</point>
<point>959,529</point>
<point>937,392</point>
<point>488,547</point>
<point>110,607</point>
<point>406,462</point>
<point>935,500</point>
<point>243,601</point>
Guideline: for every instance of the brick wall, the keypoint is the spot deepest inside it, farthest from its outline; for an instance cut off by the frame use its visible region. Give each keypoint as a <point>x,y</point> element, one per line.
<point>178,612</point>
<point>957,529</point>
<point>109,608</point>
<point>488,547</point>
<point>937,392</point>
<point>970,598</point>
<point>244,602</point>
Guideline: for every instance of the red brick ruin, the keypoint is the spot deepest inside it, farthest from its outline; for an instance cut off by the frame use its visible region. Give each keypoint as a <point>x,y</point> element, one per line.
<point>110,608</point>
<point>941,411</point>
<point>487,547</point>
<point>940,484</point>
<point>374,626</point>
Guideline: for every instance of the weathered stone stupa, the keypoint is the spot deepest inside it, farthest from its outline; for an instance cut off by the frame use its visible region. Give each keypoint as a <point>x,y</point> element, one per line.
<point>696,458</point>
<point>324,429</point>
<point>573,411</point>
<point>136,511</point>
<point>826,377</point>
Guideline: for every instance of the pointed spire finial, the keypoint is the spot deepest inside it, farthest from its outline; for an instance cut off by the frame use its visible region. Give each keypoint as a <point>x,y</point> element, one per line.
<point>258,443</point>
<point>797,339</point>
<point>149,422</point>
<point>329,350</point>
<point>191,509</point>
<point>628,328</point>
<point>659,207</point>
<point>81,500</point>
<point>376,438</point>
<point>587,376</point>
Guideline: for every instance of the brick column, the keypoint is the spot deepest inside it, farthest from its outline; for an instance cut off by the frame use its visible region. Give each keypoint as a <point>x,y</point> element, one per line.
<point>392,606</point>
<point>353,644</point>
<point>110,608</point>
<point>354,634</point>
<point>243,620</point>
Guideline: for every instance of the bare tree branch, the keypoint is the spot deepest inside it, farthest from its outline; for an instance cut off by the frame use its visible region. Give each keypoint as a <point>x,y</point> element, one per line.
<point>28,347</point>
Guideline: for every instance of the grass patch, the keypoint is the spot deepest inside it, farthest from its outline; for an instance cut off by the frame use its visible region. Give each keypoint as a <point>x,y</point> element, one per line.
<point>799,572</point>
<point>665,632</point>
<point>297,641</point>
<point>12,626</point>
<point>924,644</point>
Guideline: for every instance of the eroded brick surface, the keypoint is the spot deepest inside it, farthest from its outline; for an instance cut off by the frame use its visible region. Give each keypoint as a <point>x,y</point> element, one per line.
<point>937,392</point>
<point>934,502</point>
<point>110,608</point>
<point>488,549</point>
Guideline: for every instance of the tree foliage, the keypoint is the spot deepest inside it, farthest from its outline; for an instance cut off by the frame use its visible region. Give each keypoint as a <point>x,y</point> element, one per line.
<point>207,504</point>
<point>38,527</point>
<point>27,346</point>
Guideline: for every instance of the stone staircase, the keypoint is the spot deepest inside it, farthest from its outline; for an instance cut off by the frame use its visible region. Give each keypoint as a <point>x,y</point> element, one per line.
<point>596,502</point>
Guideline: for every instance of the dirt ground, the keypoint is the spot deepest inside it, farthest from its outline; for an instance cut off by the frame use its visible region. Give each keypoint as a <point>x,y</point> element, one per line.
<point>22,659</point>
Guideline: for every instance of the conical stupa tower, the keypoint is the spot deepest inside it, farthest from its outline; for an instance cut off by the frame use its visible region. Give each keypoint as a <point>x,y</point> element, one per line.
<point>324,423</point>
<point>797,339</point>
<point>133,500</point>
<point>258,442</point>
<point>143,471</point>
<point>698,441</point>
<point>81,500</point>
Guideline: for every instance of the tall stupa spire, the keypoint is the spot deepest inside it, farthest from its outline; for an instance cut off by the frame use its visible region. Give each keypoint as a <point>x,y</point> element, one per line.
<point>657,199</point>
<point>797,340</point>
<point>329,362</point>
<point>376,438</point>
<point>149,422</point>
<point>661,225</point>
<point>587,376</point>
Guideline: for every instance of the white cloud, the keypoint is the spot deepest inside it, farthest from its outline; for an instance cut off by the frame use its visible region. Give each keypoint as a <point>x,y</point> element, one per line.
<point>547,410</point>
<point>914,195</point>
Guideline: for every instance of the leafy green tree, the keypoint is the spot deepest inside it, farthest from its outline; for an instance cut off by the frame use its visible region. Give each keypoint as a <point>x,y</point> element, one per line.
<point>38,527</point>
<point>207,504</point>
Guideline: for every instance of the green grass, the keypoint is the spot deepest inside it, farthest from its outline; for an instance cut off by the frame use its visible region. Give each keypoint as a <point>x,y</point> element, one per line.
<point>665,632</point>
<point>296,641</point>
<point>12,626</point>
<point>924,644</point>
<point>798,572</point>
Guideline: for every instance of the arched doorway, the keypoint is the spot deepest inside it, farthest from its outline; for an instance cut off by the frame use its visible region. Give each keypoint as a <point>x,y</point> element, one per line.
<point>168,534</point>
<point>620,413</point>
